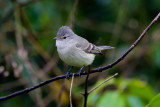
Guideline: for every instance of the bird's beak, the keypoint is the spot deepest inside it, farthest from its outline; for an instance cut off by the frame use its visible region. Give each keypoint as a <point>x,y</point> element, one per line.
<point>57,38</point>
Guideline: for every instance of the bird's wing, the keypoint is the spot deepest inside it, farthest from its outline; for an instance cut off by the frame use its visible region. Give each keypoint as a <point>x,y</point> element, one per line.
<point>86,46</point>
<point>89,47</point>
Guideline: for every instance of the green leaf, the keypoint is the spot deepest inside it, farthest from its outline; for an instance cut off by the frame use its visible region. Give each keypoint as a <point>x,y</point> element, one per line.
<point>136,86</point>
<point>134,101</point>
<point>155,101</point>
<point>111,99</point>
<point>94,96</point>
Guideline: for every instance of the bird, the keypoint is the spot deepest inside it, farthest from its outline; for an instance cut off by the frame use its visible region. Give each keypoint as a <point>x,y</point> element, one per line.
<point>75,50</point>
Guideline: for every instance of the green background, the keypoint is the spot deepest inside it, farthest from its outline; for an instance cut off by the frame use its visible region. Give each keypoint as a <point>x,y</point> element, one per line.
<point>28,53</point>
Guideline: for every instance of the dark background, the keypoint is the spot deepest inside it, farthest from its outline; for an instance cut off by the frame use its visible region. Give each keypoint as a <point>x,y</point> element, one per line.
<point>28,54</point>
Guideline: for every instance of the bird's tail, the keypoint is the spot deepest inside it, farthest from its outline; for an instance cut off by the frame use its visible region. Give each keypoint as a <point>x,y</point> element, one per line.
<point>104,47</point>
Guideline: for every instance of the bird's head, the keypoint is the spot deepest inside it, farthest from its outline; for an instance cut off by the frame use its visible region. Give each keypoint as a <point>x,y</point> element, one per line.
<point>64,32</point>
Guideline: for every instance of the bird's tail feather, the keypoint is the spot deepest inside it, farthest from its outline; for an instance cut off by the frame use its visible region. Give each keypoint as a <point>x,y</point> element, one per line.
<point>105,47</point>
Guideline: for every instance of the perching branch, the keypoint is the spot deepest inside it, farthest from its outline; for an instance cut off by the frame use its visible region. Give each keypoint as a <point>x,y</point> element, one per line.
<point>99,69</point>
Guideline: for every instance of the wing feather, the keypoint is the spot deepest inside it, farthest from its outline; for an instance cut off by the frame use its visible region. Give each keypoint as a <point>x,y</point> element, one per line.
<point>89,47</point>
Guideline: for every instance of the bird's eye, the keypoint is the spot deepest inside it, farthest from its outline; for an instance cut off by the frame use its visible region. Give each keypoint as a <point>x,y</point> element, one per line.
<point>64,37</point>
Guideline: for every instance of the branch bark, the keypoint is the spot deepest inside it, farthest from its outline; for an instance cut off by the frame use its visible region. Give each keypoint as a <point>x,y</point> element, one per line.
<point>86,88</point>
<point>103,83</point>
<point>99,69</point>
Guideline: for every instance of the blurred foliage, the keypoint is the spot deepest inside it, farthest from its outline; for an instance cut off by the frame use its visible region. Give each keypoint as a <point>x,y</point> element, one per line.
<point>155,102</point>
<point>28,54</point>
<point>122,93</point>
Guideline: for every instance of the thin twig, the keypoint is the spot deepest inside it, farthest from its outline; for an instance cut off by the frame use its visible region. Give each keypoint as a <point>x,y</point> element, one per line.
<point>70,96</point>
<point>18,34</point>
<point>103,83</point>
<point>86,88</point>
<point>84,73</point>
<point>73,14</point>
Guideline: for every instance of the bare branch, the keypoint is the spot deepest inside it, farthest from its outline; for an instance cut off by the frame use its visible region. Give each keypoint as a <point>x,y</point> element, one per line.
<point>73,14</point>
<point>86,88</point>
<point>103,82</point>
<point>70,96</point>
<point>99,69</point>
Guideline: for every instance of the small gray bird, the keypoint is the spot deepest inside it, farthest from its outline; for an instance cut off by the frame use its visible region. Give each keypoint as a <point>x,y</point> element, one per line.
<point>75,50</point>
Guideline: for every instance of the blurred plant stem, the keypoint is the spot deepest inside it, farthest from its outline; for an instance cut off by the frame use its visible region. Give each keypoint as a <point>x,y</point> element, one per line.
<point>23,55</point>
<point>30,36</point>
<point>72,19</point>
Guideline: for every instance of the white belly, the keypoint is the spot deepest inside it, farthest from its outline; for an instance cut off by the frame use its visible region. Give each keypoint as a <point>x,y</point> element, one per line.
<point>74,56</point>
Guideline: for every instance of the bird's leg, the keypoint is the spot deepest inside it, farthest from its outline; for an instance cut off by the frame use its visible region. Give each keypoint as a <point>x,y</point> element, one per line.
<point>68,72</point>
<point>79,72</point>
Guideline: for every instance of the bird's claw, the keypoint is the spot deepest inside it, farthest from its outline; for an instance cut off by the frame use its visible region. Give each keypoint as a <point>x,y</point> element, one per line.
<point>67,75</point>
<point>79,73</point>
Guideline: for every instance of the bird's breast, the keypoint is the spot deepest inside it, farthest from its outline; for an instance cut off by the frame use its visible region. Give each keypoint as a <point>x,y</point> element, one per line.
<point>72,55</point>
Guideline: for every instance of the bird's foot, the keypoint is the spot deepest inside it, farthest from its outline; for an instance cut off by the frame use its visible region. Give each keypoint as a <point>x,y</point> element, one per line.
<point>79,73</point>
<point>67,75</point>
